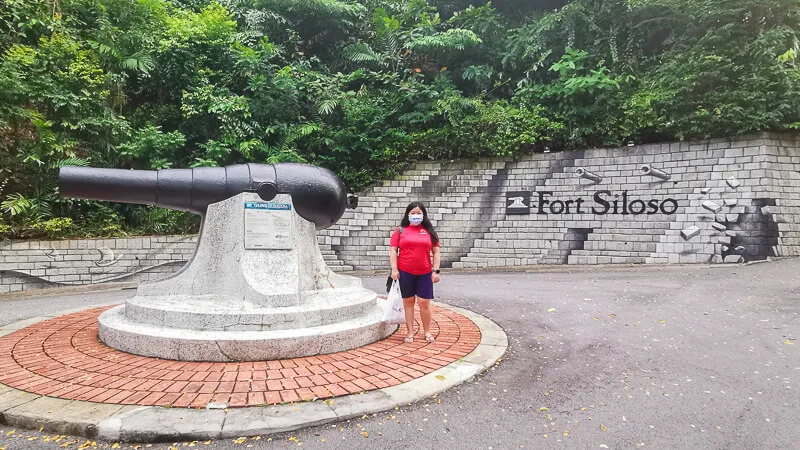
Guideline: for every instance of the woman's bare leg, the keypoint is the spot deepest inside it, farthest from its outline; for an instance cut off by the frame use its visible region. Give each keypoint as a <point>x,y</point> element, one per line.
<point>408,305</point>
<point>425,313</point>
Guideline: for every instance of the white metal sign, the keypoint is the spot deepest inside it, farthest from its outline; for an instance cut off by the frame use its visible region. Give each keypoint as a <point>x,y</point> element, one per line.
<point>267,225</point>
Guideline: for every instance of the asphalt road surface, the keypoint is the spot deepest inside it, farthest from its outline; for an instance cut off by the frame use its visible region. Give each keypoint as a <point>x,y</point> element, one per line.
<point>678,357</point>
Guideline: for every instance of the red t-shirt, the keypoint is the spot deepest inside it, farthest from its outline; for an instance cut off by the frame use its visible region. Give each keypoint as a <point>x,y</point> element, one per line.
<point>415,249</point>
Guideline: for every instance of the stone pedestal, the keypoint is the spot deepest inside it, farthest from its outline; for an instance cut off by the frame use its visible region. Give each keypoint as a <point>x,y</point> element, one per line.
<point>232,303</point>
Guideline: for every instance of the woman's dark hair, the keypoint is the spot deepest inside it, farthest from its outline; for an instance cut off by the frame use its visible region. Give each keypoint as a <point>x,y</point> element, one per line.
<point>426,223</point>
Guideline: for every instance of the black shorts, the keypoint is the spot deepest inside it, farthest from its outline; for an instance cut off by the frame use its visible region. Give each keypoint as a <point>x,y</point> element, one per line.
<point>419,285</point>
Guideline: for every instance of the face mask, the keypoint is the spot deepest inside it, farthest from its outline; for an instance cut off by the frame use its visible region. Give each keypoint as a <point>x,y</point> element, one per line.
<point>415,219</point>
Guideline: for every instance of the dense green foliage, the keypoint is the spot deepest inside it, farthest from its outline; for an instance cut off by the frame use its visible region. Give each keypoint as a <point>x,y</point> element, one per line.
<point>364,86</point>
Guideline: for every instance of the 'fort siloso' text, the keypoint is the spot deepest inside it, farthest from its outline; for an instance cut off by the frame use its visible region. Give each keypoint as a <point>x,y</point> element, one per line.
<point>605,203</point>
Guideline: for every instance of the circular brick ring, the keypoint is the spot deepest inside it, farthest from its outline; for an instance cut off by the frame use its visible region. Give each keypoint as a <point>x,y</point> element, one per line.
<point>64,358</point>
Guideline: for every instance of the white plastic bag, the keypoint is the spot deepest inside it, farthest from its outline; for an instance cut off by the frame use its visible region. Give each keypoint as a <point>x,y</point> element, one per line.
<point>393,311</point>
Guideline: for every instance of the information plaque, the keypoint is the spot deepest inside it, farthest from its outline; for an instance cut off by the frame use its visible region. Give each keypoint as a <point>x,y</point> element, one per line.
<point>267,225</point>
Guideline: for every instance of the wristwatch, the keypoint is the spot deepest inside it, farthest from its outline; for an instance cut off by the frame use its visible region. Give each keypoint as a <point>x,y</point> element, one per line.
<point>437,271</point>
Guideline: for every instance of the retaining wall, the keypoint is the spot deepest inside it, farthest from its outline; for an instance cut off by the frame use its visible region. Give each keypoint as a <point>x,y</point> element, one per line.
<point>26,265</point>
<point>716,201</point>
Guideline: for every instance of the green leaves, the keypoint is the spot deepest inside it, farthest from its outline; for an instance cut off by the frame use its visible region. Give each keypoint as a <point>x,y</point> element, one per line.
<point>17,204</point>
<point>327,107</point>
<point>71,161</point>
<point>481,75</point>
<point>788,56</point>
<point>150,148</point>
<point>452,39</point>
<point>478,128</point>
<point>139,62</point>
<point>360,52</point>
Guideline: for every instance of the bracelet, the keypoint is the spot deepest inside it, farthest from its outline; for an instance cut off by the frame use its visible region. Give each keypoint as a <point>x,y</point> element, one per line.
<point>437,271</point>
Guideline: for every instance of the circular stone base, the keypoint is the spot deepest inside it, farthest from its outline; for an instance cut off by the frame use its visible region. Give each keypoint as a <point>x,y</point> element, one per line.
<point>118,331</point>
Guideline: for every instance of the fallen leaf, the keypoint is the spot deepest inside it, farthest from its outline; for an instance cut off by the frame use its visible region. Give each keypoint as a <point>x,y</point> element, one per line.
<point>566,433</point>
<point>239,440</point>
<point>543,408</point>
<point>440,377</point>
<point>788,342</point>
<point>602,427</point>
<point>551,310</point>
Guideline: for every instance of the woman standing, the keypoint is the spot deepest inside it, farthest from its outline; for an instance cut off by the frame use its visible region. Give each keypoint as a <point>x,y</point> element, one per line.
<point>410,252</point>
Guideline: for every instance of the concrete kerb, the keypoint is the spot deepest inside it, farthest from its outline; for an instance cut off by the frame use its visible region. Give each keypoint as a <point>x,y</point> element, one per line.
<point>159,424</point>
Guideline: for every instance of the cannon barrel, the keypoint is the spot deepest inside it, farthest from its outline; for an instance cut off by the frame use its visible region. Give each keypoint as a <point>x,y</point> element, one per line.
<point>319,196</point>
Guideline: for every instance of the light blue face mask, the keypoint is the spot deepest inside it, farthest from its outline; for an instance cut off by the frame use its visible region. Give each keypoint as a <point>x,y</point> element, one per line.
<point>415,219</point>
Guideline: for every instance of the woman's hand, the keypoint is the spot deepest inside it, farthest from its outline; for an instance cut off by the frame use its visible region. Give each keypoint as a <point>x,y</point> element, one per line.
<point>435,277</point>
<point>395,274</point>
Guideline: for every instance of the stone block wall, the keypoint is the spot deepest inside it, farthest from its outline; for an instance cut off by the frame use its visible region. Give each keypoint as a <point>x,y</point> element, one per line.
<point>722,201</point>
<point>26,265</point>
<point>694,202</point>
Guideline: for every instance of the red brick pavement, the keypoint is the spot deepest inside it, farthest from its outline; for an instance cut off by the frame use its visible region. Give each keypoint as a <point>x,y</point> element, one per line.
<point>64,358</point>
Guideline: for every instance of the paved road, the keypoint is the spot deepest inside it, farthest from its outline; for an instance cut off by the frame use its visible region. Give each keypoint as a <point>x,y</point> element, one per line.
<point>638,357</point>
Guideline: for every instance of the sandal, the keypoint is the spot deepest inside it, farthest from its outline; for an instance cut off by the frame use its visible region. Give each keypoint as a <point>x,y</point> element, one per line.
<point>408,339</point>
<point>429,338</point>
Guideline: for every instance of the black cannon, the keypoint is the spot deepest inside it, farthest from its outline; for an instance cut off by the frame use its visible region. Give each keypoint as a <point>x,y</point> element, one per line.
<point>319,196</point>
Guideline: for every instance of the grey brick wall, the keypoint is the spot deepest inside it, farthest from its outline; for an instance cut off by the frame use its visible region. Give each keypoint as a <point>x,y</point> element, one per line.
<point>737,200</point>
<point>26,265</point>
